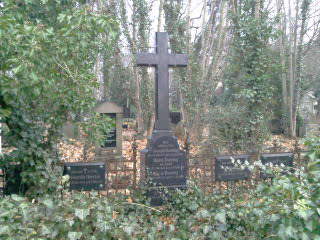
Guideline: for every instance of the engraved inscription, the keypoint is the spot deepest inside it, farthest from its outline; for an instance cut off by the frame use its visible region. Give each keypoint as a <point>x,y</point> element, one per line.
<point>86,176</point>
<point>226,170</point>
<point>166,163</point>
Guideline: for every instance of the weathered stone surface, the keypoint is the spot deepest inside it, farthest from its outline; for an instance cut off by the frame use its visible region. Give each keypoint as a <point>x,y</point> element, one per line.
<point>225,170</point>
<point>276,159</point>
<point>113,140</point>
<point>86,176</point>
<point>162,60</point>
<point>163,164</point>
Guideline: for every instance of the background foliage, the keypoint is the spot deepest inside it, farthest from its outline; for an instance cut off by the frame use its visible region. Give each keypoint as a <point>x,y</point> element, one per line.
<point>47,57</point>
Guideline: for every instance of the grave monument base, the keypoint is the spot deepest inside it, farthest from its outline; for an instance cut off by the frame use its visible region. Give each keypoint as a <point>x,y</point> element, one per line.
<point>163,164</point>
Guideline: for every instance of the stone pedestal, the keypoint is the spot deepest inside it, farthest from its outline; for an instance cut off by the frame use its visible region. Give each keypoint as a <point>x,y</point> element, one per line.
<point>163,164</point>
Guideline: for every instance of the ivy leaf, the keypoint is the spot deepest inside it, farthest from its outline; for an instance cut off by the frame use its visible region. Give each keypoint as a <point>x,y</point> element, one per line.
<point>103,226</point>
<point>206,229</point>
<point>74,235</point>
<point>203,213</point>
<point>82,213</point>
<point>4,229</point>
<point>45,230</point>
<point>48,203</point>
<point>221,217</point>
<point>17,198</point>
<point>128,230</point>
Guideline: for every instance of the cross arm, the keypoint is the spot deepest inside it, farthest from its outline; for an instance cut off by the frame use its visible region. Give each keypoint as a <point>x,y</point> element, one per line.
<point>179,60</point>
<point>146,59</point>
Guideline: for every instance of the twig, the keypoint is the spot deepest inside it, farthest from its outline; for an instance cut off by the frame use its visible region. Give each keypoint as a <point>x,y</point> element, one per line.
<point>141,205</point>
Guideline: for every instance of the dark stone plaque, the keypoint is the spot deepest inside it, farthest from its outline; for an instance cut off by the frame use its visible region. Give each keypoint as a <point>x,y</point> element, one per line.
<point>165,166</point>
<point>225,170</point>
<point>175,117</point>
<point>13,180</point>
<point>110,139</point>
<point>276,159</point>
<point>86,176</point>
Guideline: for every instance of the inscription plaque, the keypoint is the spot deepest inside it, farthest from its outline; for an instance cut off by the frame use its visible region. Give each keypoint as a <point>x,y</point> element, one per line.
<point>166,164</point>
<point>86,176</point>
<point>225,169</point>
<point>276,159</point>
<point>110,138</point>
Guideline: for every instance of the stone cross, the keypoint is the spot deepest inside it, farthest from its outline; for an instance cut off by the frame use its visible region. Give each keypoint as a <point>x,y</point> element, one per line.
<point>162,60</point>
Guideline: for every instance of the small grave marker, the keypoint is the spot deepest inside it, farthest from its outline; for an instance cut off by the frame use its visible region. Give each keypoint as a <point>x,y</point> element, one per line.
<point>276,159</point>
<point>225,169</point>
<point>113,138</point>
<point>86,176</point>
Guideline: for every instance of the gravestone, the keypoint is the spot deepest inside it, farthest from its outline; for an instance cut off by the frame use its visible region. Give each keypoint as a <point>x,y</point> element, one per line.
<point>13,180</point>
<point>162,162</point>
<point>86,176</point>
<point>276,159</point>
<point>113,139</point>
<point>175,117</point>
<point>225,169</point>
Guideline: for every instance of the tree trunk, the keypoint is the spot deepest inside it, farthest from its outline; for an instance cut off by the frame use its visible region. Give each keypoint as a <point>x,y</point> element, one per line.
<point>283,75</point>
<point>304,10</point>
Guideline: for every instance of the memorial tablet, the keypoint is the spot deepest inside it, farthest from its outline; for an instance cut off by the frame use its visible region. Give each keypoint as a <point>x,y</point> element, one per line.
<point>225,169</point>
<point>276,159</point>
<point>166,164</point>
<point>86,176</point>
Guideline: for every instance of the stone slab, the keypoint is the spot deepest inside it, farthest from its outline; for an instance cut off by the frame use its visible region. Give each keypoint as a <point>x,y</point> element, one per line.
<point>276,159</point>
<point>86,176</point>
<point>163,164</point>
<point>225,170</point>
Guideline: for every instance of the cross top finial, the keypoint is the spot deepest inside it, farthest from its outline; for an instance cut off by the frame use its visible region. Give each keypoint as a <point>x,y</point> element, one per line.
<point>162,60</point>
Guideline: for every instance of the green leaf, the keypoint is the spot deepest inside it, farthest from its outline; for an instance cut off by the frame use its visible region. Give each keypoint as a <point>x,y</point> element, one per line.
<point>48,203</point>
<point>82,213</point>
<point>17,69</point>
<point>221,217</point>
<point>45,230</point>
<point>17,198</point>
<point>207,229</point>
<point>4,229</point>
<point>128,230</point>
<point>74,235</point>
<point>203,213</point>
